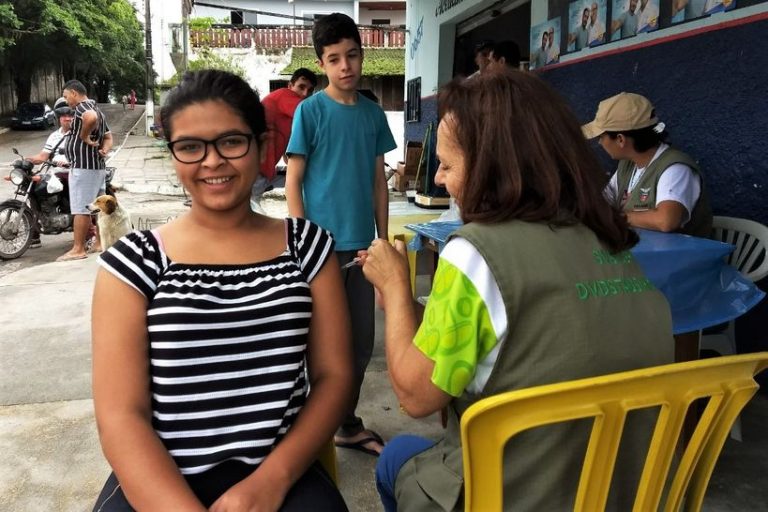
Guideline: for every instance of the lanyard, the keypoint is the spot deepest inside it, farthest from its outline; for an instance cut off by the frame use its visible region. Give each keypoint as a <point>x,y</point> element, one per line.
<point>634,179</point>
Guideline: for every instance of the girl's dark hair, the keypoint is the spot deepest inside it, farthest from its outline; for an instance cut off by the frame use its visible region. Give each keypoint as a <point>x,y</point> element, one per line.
<point>644,138</point>
<point>331,29</point>
<point>214,85</point>
<point>526,157</point>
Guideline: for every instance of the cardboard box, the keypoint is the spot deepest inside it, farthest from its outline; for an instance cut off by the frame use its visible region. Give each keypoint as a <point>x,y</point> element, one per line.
<point>412,157</point>
<point>402,183</point>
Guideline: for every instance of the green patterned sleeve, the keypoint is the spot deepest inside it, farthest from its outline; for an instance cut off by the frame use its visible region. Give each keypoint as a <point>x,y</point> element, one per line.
<point>456,332</point>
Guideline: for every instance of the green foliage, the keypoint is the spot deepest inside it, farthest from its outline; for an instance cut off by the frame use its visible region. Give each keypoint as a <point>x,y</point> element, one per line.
<point>8,23</point>
<point>99,42</point>
<point>376,61</point>
<point>201,23</point>
<point>205,58</point>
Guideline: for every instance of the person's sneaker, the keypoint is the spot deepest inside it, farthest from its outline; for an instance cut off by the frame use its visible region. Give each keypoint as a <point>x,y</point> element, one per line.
<point>34,244</point>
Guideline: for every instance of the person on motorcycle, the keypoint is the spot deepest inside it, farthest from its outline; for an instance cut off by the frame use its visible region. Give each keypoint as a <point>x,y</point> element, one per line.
<point>54,148</point>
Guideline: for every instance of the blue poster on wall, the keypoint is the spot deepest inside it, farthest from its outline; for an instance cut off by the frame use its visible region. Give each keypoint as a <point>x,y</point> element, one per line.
<point>647,16</point>
<point>684,10</point>
<point>545,43</point>
<point>578,21</point>
<point>623,19</point>
<point>586,23</point>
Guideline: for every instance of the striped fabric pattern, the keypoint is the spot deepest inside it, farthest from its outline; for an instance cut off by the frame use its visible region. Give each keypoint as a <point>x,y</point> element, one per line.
<point>227,344</point>
<point>80,155</point>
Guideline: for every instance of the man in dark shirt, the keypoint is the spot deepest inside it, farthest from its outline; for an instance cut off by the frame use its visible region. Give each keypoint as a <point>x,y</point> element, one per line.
<point>87,147</point>
<point>505,53</point>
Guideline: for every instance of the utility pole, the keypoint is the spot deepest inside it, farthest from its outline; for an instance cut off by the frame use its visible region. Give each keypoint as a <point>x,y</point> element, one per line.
<point>185,8</point>
<point>149,107</point>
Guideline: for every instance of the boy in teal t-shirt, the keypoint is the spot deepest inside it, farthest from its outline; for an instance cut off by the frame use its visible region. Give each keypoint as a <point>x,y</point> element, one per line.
<point>335,178</point>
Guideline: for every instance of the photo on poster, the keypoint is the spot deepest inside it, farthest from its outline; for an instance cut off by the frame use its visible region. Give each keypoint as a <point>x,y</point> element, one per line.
<point>631,17</point>
<point>578,22</point>
<point>598,18</point>
<point>545,43</point>
<point>684,10</point>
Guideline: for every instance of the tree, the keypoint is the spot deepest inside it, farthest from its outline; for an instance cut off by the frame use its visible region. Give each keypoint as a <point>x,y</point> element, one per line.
<point>98,42</point>
<point>9,22</point>
<point>205,58</point>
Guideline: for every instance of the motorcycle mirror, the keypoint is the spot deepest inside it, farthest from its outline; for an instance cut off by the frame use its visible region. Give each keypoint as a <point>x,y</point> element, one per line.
<point>16,151</point>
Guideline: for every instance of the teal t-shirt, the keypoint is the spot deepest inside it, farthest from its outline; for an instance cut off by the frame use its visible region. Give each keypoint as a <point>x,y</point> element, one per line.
<point>340,144</point>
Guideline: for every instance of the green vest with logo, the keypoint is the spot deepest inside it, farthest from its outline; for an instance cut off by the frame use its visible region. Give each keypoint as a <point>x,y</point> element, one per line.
<point>643,195</point>
<point>573,311</point>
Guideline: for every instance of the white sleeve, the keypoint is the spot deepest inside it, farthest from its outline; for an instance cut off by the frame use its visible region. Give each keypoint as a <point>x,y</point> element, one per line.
<point>460,253</point>
<point>51,141</point>
<point>611,191</point>
<point>679,183</point>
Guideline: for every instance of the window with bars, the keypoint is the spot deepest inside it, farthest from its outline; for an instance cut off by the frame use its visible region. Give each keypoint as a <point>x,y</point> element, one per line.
<point>413,101</point>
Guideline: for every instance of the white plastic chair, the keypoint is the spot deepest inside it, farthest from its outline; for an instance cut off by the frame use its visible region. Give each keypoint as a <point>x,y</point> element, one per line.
<point>751,259</point>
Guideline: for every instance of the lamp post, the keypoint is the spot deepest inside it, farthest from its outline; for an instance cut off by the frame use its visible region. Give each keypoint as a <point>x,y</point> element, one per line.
<point>293,3</point>
<point>149,101</point>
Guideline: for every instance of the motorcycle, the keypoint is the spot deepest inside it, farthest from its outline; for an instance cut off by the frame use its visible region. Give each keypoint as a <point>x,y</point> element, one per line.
<point>36,206</point>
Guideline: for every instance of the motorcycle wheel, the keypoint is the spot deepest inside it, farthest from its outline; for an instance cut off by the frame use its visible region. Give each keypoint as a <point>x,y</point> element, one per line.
<point>15,230</point>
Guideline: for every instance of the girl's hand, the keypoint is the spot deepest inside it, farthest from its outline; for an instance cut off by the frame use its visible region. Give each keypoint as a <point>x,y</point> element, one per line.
<point>251,495</point>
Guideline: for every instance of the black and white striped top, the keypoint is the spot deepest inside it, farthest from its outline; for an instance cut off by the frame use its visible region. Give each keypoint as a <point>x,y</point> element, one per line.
<point>227,344</point>
<point>82,156</point>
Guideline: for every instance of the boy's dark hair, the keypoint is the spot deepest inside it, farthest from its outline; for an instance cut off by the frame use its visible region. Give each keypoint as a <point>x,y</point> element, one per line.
<point>483,47</point>
<point>510,51</point>
<point>75,85</point>
<point>305,73</point>
<point>214,85</point>
<point>333,28</point>
<point>644,138</point>
<point>527,158</point>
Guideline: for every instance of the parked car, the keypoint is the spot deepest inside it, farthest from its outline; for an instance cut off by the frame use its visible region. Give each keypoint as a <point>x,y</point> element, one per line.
<point>33,115</point>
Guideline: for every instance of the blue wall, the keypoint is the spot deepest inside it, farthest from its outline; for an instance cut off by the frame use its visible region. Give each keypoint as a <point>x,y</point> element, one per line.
<point>711,90</point>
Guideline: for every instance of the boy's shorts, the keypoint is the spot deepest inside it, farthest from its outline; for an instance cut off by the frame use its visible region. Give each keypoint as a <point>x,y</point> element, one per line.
<point>84,188</point>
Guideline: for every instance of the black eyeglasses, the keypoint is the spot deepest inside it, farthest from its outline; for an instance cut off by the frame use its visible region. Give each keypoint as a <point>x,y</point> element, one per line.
<point>192,151</point>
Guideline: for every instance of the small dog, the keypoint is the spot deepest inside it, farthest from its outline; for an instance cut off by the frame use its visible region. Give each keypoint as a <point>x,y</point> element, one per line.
<point>113,221</point>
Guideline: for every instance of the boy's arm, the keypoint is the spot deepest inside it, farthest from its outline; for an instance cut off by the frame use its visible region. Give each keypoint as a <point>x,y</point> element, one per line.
<point>294,178</point>
<point>380,199</point>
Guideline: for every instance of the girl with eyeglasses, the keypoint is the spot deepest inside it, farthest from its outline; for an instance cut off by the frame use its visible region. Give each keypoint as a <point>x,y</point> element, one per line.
<point>221,356</point>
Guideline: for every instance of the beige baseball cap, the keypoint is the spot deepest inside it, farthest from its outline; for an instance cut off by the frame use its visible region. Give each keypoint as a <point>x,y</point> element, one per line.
<point>623,112</point>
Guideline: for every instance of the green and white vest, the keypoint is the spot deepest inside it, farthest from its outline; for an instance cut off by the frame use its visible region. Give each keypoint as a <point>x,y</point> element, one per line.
<point>643,195</point>
<point>573,311</point>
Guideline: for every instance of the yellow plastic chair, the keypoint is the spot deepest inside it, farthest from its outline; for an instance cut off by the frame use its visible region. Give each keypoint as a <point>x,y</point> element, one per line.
<point>327,459</point>
<point>728,382</point>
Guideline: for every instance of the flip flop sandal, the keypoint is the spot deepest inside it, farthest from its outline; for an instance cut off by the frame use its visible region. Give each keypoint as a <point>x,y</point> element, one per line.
<point>359,445</point>
<point>66,257</point>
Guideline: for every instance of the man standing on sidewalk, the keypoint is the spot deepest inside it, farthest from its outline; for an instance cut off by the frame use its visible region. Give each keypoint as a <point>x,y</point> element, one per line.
<point>279,107</point>
<point>89,143</point>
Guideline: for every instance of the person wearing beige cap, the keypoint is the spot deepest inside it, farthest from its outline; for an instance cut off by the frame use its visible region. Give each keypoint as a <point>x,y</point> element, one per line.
<point>658,187</point>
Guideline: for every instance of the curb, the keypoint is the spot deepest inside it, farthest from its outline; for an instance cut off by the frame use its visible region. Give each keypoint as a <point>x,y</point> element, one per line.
<point>3,130</point>
<point>163,190</point>
<point>127,136</point>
